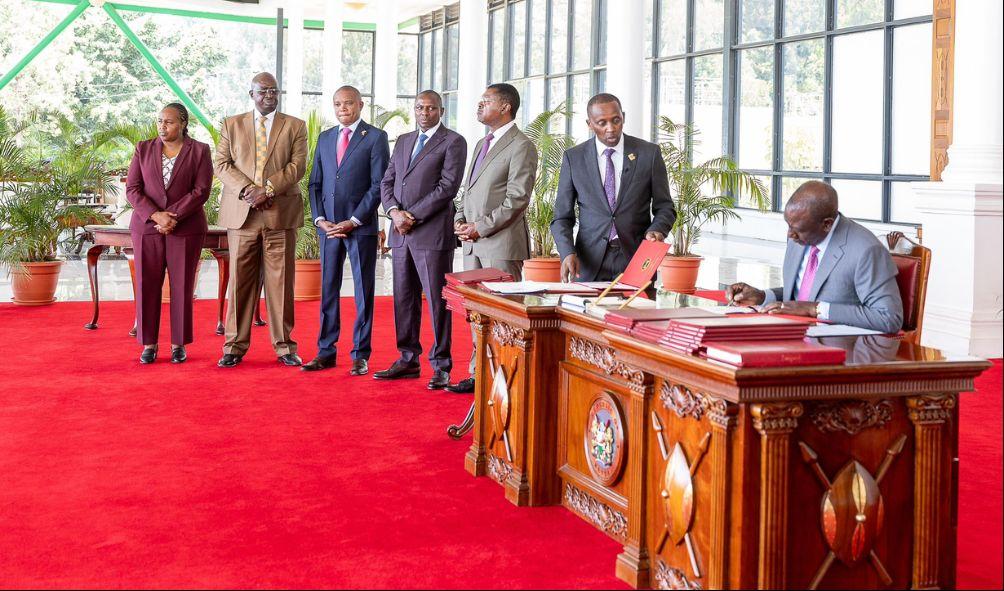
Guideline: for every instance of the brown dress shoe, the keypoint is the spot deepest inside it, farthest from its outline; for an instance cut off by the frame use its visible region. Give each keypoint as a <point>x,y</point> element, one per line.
<point>359,367</point>
<point>318,363</point>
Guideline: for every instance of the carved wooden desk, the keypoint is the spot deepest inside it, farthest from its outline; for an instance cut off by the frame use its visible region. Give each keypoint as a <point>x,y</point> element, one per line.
<point>716,477</point>
<point>108,236</point>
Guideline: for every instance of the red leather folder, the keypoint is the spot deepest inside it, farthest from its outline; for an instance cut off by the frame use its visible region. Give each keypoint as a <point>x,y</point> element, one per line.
<point>476,276</point>
<point>644,263</point>
<point>786,353</point>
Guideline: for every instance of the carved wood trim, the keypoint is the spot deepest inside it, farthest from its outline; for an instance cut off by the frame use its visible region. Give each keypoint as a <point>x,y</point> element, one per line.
<point>498,469</point>
<point>774,421</point>
<point>722,415</point>
<point>667,577</point>
<point>509,335</point>
<point>855,390</point>
<point>606,519</point>
<point>929,415</point>
<point>603,358</point>
<point>942,84</point>
<point>851,416</point>
<point>682,401</point>
<point>478,321</point>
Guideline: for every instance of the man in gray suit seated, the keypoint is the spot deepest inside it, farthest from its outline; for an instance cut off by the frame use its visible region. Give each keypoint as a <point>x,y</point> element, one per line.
<point>621,188</point>
<point>834,269</point>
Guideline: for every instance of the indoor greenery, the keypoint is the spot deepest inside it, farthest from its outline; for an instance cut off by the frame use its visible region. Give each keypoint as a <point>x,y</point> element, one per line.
<point>550,151</point>
<point>702,192</point>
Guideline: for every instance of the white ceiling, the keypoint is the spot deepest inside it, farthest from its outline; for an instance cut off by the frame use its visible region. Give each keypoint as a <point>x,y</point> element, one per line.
<point>364,11</point>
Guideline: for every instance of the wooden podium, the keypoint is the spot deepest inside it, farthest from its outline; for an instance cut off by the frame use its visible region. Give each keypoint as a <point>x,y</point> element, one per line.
<point>716,477</point>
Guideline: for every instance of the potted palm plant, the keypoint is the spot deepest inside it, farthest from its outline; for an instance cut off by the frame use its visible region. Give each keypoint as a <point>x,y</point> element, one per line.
<point>307,280</point>
<point>544,263</point>
<point>702,193</point>
<point>36,207</point>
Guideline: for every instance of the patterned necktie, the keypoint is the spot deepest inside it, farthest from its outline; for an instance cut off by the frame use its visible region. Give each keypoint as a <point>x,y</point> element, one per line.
<point>610,187</point>
<point>343,144</point>
<point>260,148</point>
<point>481,155</point>
<point>418,147</point>
<point>809,275</point>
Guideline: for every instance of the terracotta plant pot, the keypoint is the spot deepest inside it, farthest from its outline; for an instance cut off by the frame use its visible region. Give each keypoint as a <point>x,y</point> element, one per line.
<point>679,274</point>
<point>307,281</point>
<point>542,269</point>
<point>35,283</point>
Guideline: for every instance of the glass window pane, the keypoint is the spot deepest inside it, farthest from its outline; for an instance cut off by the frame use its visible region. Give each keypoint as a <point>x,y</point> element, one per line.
<point>601,31</point>
<point>859,12</point>
<point>438,61</point>
<point>708,107</point>
<point>407,66</point>
<point>646,104</point>
<point>517,26</point>
<point>497,73</point>
<point>788,186</point>
<point>803,105</point>
<point>559,36</point>
<point>911,107</point>
<point>709,16</point>
<point>672,27</point>
<point>313,57</point>
<point>426,61</point>
<point>804,16</point>
<point>538,35</point>
<point>857,102</point>
<point>908,8</point>
<point>580,96</point>
<point>582,37</point>
<point>451,110</point>
<point>557,96</point>
<point>533,100</point>
<point>357,60</point>
<point>520,86</point>
<point>453,63</point>
<point>859,199</point>
<point>757,20</point>
<point>672,83</point>
<point>902,206</point>
<point>601,80</point>
<point>649,9</point>
<point>756,108</point>
<point>747,201</point>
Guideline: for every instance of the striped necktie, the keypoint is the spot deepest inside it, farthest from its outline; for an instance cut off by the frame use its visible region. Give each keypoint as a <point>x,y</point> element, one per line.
<point>260,148</point>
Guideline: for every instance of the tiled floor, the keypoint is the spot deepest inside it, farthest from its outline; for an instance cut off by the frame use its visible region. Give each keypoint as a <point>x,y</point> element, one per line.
<point>726,260</point>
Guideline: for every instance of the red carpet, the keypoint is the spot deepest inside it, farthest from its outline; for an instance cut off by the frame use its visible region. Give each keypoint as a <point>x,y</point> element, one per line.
<point>114,474</point>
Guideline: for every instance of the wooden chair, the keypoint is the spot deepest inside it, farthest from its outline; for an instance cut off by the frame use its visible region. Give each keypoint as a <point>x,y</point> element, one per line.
<point>913,261</point>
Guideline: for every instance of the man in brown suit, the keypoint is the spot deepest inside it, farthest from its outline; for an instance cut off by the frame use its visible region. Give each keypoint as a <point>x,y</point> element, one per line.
<point>260,158</point>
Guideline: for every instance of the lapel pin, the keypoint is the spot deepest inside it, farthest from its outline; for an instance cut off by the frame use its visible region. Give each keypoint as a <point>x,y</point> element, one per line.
<point>363,133</point>
<point>631,156</point>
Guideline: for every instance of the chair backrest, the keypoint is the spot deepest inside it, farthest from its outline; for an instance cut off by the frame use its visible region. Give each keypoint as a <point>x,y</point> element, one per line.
<point>913,262</point>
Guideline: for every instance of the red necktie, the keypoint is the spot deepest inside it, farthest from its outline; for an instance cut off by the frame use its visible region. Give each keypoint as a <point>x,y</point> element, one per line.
<point>343,144</point>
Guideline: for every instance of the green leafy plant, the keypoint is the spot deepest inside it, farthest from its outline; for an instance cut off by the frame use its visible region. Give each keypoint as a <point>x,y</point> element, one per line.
<point>308,244</point>
<point>550,151</point>
<point>36,195</point>
<point>702,192</point>
<point>382,117</point>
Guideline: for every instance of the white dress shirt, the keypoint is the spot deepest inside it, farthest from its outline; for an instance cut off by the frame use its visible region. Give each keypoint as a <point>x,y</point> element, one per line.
<point>822,308</point>
<point>428,136</point>
<point>618,160</point>
<point>497,135</point>
<point>338,140</point>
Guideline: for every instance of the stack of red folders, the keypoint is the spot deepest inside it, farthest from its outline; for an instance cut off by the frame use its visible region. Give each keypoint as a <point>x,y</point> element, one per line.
<point>454,300</point>
<point>774,353</point>
<point>628,318</point>
<point>689,335</point>
<point>651,331</point>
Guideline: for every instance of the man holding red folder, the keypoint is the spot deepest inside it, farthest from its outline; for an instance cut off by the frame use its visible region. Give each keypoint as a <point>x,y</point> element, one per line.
<point>620,185</point>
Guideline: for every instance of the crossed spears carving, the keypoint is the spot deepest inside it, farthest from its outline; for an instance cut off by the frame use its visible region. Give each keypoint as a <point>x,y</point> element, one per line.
<point>499,409</point>
<point>678,493</point>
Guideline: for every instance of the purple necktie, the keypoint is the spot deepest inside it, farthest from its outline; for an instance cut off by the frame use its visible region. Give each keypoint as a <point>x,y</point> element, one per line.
<point>610,187</point>
<point>809,275</point>
<point>481,155</point>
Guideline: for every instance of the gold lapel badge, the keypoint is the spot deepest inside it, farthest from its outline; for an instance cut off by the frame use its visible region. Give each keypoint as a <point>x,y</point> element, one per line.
<point>631,156</point>
<point>363,133</point>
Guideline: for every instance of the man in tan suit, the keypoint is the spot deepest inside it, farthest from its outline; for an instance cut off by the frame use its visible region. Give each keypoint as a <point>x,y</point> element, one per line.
<point>490,218</point>
<point>260,158</point>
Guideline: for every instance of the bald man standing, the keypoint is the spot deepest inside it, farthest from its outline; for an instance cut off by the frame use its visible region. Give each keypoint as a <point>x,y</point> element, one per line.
<point>261,157</point>
<point>834,268</point>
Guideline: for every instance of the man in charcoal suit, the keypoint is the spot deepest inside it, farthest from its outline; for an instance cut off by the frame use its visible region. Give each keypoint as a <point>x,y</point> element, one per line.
<point>417,191</point>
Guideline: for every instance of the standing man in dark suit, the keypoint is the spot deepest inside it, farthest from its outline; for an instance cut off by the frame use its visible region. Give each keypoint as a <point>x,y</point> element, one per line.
<point>349,162</point>
<point>621,187</point>
<point>261,157</point>
<point>417,192</point>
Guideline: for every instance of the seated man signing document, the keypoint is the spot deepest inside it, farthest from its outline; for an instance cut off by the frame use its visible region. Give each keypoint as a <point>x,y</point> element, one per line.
<point>834,269</point>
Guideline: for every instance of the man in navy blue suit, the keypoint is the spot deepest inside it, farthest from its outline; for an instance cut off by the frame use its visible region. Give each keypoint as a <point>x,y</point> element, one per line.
<point>349,163</point>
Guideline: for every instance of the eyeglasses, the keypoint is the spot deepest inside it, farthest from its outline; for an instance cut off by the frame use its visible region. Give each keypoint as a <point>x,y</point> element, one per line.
<point>268,92</point>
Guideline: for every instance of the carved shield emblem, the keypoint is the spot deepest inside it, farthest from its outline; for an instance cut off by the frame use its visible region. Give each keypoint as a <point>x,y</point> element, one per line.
<point>678,495</point>
<point>852,513</point>
<point>500,400</point>
<point>604,439</point>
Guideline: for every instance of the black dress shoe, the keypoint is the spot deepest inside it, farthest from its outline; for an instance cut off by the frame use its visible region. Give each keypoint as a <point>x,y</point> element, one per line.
<point>465,386</point>
<point>397,371</point>
<point>360,367</point>
<point>291,359</point>
<point>149,355</point>
<point>229,360</point>
<point>318,363</point>
<point>440,379</point>
<point>178,355</point>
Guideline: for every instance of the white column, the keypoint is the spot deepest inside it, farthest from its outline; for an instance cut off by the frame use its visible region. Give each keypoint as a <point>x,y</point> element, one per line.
<point>385,58</point>
<point>473,68</point>
<point>625,60</point>
<point>332,56</point>
<point>293,80</point>
<point>962,216</point>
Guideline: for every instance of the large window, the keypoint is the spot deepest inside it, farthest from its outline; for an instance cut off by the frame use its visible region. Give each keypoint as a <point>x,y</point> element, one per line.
<point>552,51</point>
<point>439,56</point>
<point>836,90</point>
<point>358,48</point>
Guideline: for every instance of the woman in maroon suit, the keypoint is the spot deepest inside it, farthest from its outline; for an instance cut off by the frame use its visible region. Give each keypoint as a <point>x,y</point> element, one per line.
<point>168,184</point>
